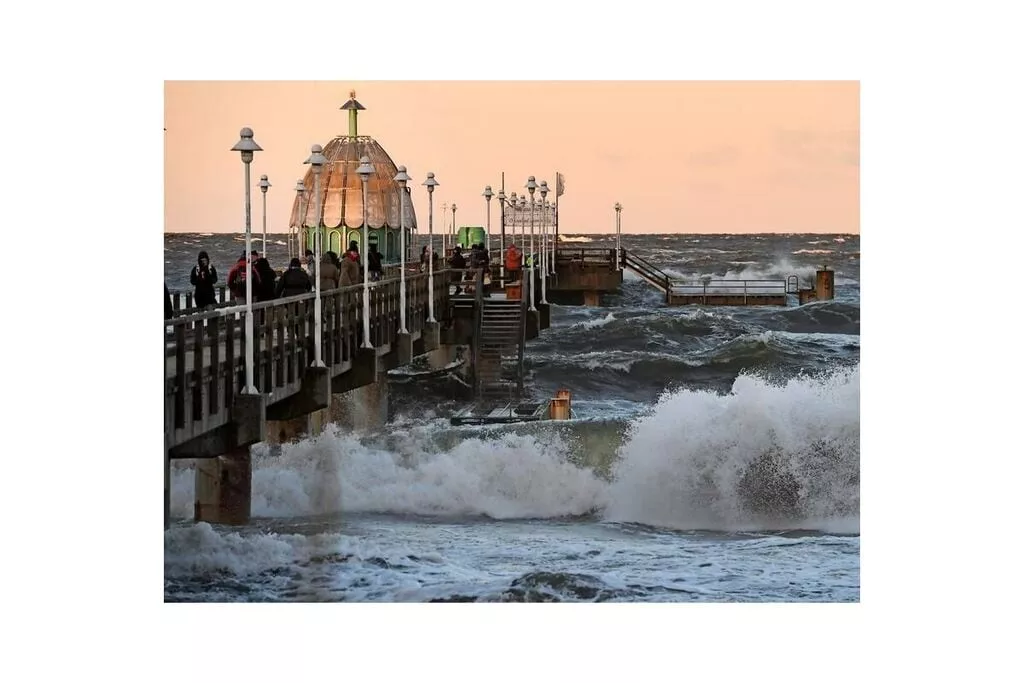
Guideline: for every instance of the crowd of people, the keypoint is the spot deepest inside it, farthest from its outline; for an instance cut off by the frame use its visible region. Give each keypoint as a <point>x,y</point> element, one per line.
<point>333,272</point>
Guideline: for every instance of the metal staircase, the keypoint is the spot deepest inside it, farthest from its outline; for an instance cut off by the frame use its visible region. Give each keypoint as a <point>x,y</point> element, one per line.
<point>648,271</point>
<point>500,340</point>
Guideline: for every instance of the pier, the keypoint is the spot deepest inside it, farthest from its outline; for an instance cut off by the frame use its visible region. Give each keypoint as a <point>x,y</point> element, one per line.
<point>237,374</point>
<point>582,275</point>
<point>209,417</point>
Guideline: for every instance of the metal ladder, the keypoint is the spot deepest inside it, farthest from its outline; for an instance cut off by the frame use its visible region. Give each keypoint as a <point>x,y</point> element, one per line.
<point>500,339</point>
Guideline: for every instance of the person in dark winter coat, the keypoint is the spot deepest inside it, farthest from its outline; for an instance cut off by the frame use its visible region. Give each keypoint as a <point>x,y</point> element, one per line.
<point>264,291</point>
<point>374,266</point>
<point>457,262</point>
<point>203,277</point>
<point>168,306</point>
<point>294,281</point>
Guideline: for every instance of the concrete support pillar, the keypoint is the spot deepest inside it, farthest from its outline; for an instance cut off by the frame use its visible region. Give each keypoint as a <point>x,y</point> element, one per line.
<point>224,488</point>
<point>591,298</point>
<point>825,285</point>
<point>319,419</point>
<point>365,408</point>
<point>285,431</point>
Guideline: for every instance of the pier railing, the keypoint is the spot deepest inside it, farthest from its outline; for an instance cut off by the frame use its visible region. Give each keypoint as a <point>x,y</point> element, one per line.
<point>584,256</point>
<point>204,354</point>
<point>730,287</point>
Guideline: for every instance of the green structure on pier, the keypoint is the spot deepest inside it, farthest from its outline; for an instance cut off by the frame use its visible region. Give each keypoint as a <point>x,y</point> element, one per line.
<point>341,197</point>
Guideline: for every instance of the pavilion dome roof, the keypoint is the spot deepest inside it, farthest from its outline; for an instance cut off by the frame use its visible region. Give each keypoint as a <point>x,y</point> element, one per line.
<point>341,190</point>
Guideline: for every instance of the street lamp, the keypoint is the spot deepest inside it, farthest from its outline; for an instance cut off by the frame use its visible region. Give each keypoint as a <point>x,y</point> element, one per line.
<point>515,217</point>
<point>402,178</point>
<point>501,256</point>
<point>365,170</point>
<point>531,185</point>
<point>247,146</point>
<point>264,186</point>
<point>454,231</point>
<point>431,184</point>
<point>316,161</point>
<point>543,243</point>
<point>300,191</point>
<point>444,231</point>
<point>487,194</point>
<point>618,231</point>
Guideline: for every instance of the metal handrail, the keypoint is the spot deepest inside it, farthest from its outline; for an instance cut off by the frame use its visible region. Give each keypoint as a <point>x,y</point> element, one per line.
<point>745,287</point>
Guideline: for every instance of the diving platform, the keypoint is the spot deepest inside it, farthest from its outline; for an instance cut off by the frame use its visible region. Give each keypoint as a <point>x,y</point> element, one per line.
<point>507,413</point>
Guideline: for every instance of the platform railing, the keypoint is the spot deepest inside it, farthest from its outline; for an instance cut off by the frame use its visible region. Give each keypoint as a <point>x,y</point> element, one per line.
<point>728,287</point>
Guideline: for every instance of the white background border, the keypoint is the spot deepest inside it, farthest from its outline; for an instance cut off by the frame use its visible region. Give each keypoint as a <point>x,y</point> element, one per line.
<point>941,196</point>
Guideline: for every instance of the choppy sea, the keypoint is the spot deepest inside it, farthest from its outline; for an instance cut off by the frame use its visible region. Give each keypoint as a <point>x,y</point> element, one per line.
<point>715,456</point>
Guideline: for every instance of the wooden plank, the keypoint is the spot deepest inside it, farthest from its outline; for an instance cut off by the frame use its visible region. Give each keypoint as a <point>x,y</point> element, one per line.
<point>179,376</point>
<point>327,335</point>
<point>268,315</point>
<point>197,371</point>
<point>257,376</point>
<point>230,378</point>
<point>213,328</point>
<point>279,374</point>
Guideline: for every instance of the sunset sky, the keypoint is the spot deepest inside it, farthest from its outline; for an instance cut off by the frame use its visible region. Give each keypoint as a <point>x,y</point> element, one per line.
<point>699,156</point>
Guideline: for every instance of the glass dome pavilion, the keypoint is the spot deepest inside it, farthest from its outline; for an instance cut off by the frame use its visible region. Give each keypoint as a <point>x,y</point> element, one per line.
<point>341,197</point>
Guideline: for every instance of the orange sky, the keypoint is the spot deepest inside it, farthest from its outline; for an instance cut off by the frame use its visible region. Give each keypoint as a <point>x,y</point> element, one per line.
<point>680,156</point>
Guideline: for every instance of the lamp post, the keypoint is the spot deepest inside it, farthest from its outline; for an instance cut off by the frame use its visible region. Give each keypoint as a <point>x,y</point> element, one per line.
<point>531,186</point>
<point>431,184</point>
<point>543,242</point>
<point>454,231</point>
<point>521,216</point>
<point>402,178</point>
<point>514,203</point>
<point>501,256</point>
<point>247,146</point>
<point>487,195</point>
<point>618,231</point>
<point>552,238</point>
<point>300,191</point>
<point>444,232</point>
<point>316,161</point>
<point>264,186</point>
<point>365,170</point>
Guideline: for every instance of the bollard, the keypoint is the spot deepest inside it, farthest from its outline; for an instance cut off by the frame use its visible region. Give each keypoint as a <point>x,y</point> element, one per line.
<point>567,395</point>
<point>824,284</point>
<point>558,409</point>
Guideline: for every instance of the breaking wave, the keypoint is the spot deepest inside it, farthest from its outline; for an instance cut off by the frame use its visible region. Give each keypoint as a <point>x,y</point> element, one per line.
<point>765,455</point>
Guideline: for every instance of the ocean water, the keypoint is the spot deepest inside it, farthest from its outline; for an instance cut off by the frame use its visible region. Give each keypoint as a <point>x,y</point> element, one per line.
<point>715,456</point>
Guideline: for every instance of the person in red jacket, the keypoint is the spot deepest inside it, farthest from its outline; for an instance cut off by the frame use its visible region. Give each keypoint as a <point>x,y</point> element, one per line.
<point>236,278</point>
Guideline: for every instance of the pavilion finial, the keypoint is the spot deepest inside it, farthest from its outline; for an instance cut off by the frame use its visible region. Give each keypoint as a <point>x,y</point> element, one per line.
<point>353,107</point>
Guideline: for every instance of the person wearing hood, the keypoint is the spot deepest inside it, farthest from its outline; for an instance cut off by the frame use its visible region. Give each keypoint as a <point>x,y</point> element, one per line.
<point>310,264</point>
<point>330,274</point>
<point>350,273</point>
<point>203,277</point>
<point>294,281</point>
<point>374,265</point>
<point>266,288</point>
<point>237,277</point>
